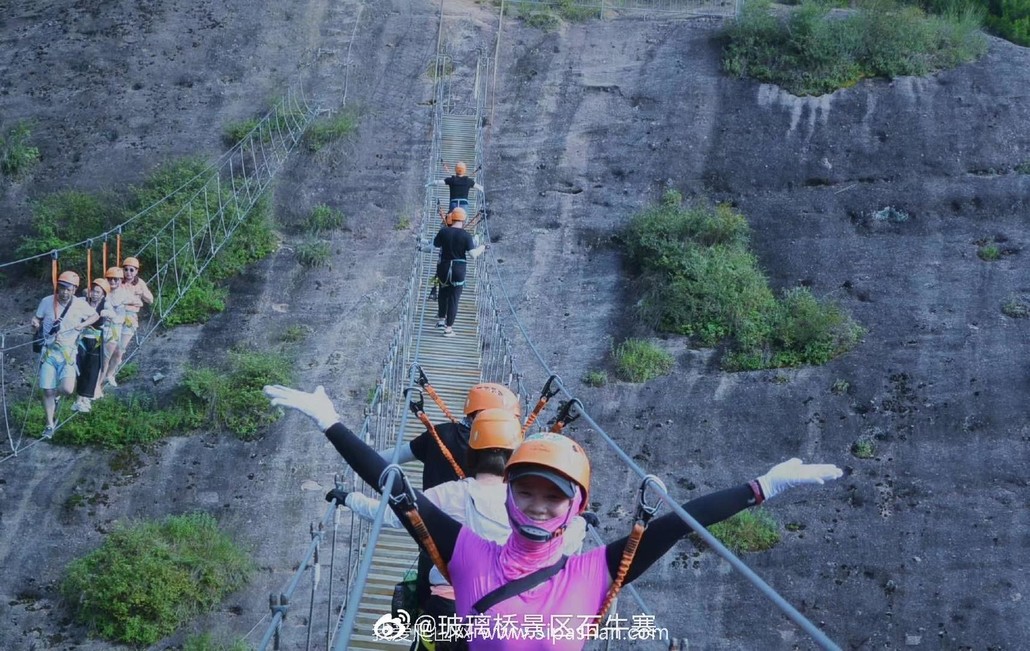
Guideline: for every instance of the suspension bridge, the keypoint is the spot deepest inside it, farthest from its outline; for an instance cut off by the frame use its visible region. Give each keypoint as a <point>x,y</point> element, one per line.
<point>207,212</point>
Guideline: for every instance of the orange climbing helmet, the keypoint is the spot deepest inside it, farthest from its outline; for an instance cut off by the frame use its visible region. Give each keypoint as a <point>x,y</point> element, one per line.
<point>495,428</point>
<point>490,395</point>
<point>114,272</point>
<point>456,215</point>
<point>556,458</point>
<point>69,278</point>
<point>460,168</point>
<point>102,284</point>
<point>131,262</point>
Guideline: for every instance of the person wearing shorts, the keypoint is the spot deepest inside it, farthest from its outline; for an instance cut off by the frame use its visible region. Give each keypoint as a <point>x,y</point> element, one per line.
<point>136,286</point>
<point>60,317</point>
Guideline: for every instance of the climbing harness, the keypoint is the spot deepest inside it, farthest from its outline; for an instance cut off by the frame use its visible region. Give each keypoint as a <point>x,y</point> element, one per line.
<point>551,388</point>
<point>645,511</point>
<point>417,407</point>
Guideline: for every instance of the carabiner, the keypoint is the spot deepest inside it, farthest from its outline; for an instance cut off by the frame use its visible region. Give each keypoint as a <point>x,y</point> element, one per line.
<point>416,406</point>
<point>547,392</point>
<point>645,510</point>
<point>422,380</point>
<point>408,493</point>
<point>568,412</point>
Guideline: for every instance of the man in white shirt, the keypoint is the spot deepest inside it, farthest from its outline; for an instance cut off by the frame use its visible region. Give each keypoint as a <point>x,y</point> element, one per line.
<point>62,316</point>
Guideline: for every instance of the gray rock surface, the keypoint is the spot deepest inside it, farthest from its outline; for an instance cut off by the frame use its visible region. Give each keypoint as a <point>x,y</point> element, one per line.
<point>926,540</point>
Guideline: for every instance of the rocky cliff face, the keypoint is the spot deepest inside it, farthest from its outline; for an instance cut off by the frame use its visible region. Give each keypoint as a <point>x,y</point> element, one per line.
<point>920,545</point>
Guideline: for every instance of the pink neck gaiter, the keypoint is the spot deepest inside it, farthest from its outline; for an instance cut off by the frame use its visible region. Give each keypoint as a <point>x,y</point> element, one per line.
<point>520,555</point>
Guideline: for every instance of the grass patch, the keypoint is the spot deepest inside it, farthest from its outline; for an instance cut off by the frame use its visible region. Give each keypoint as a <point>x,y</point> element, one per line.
<point>295,334</point>
<point>325,131</point>
<point>16,155</point>
<point>149,578</point>
<point>863,448</point>
<point>238,130</point>
<point>115,421</point>
<point>595,378</point>
<point>813,53</point>
<point>753,530</point>
<point>1015,308</point>
<point>840,387</point>
<point>231,397</point>
<point>1023,168</point>
<point>207,642</point>
<point>128,371</point>
<point>314,253</point>
<point>637,360</point>
<point>701,280</point>
<point>989,253</point>
<point>324,219</point>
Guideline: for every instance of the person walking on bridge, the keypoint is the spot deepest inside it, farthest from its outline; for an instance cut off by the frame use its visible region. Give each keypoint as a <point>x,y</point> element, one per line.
<point>455,244</point>
<point>548,479</point>
<point>459,185</point>
<point>478,501</point>
<point>60,318</point>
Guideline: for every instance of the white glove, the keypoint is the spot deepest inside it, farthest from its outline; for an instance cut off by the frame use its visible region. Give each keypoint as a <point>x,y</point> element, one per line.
<point>793,473</point>
<point>317,405</point>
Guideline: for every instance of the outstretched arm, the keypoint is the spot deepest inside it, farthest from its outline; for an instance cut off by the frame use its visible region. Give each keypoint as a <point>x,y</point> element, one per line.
<point>365,461</point>
<point>710,509</point>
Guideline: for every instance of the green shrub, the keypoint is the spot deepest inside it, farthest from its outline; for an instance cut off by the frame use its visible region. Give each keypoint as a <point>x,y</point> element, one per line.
<point>639,361</point>
<point>128,371</point>
<point>748,531</point>
<point>863,448</point>
<point>989,253</point>
<point>812,53</point>
<point>326,131</point>
<point>1015,308</point>
<point>207,642</point>
<point>65,218</point>
<point>16,155</point>
<point>1009,19</point>
<point>115,421</point>
<point>295,334</point>
<point>324,219</point>
<point>595,378</point>
<point>148,578</point>
<point>700,280</point>
<point>232,397</point>
<point>314,253</point>
<point>238,130</point>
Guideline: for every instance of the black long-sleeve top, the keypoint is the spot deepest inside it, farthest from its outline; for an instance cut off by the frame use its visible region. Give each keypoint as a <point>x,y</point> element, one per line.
<point>662,533</point>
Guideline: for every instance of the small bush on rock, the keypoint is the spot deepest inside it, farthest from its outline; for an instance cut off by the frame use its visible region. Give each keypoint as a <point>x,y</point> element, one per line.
<point>16,155</point>
<point>639,361</point>
<point>748,531</point>
<point>148,578</point>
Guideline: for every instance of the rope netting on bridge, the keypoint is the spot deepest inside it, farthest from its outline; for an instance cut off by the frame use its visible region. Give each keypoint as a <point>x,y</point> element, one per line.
<point>600,8</point>
<point>175,240</point>
<point>387,417</point>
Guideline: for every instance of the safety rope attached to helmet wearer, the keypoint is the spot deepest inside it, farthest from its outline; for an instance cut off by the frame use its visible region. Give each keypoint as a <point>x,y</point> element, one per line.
<point>406,502</point>
<point>645,511</point>
<point>417,408</point>
<point>423,382</point>
<point>551,388</point>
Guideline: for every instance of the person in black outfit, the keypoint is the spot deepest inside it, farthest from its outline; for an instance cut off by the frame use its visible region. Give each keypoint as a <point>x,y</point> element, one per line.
<point>459,186</point>
<point>660,536</point>
<point>455,243</point>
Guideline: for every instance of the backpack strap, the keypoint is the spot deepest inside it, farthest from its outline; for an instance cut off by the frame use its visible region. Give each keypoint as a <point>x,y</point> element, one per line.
<point>518,586</point>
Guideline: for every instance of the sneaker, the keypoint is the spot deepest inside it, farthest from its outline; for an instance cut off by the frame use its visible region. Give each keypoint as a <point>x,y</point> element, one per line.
<point>112,382</point>
<point>48,433</point>
<point>77,405</point>
<point>432,293</point>
<point>441,323</point>
<point>86,407</point>
<point>448,332</point>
